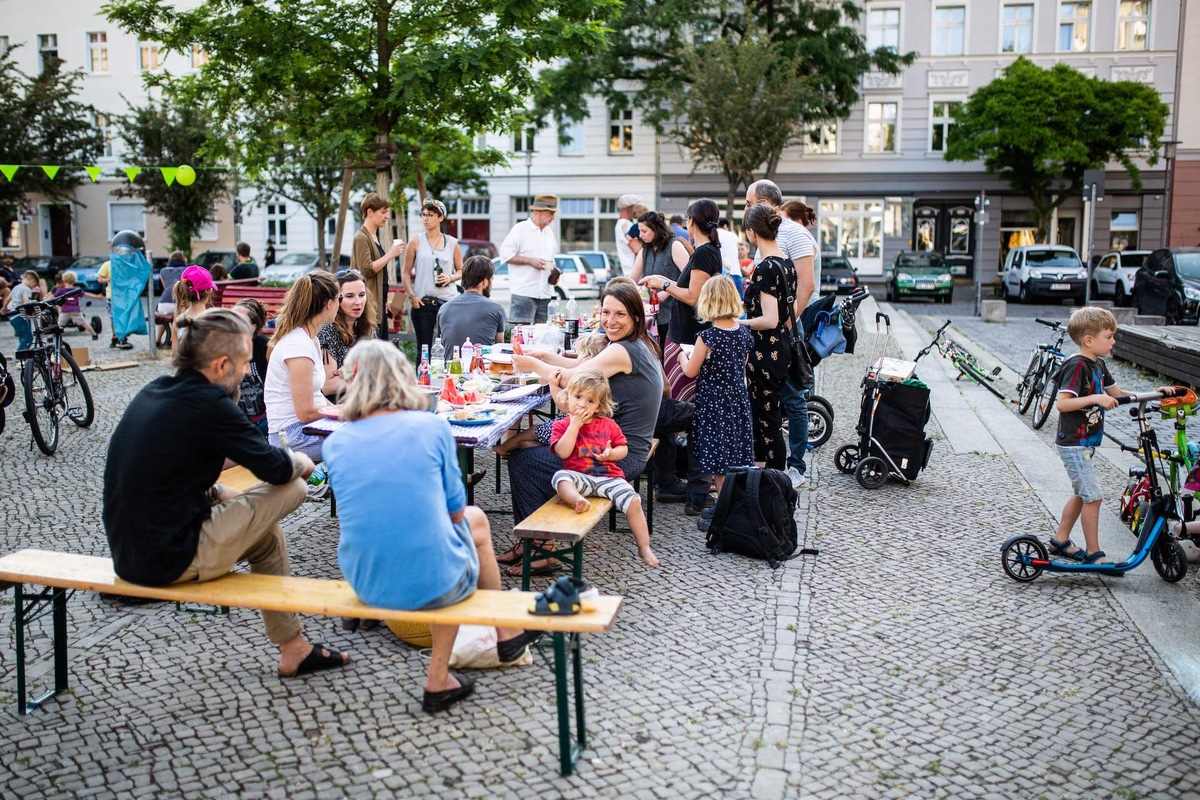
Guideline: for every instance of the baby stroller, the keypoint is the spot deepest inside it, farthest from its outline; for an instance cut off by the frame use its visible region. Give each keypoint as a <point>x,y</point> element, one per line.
<point>891,420</point>
<point>829,329</point>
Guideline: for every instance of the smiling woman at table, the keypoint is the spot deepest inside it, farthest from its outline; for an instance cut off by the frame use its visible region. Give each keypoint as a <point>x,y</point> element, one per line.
<point>295,374</point>
<point>439,550</point>
<point>630,362</point>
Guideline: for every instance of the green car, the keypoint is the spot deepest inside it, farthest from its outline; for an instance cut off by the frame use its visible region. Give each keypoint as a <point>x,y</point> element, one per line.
<point>919,275</point>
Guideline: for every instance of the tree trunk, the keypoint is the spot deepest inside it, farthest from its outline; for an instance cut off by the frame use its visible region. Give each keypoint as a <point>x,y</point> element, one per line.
<point>343,205</point>
<point>419,168</point>
<point>321,252</point>
<point>734,183</point>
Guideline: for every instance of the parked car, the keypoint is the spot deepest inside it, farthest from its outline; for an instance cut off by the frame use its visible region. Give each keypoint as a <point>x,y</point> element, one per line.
<point>45,266</point>
<point>1168,284</point>
<point>226,258</point>
<point>577,280</point>
<point>599,261</point>
<point>86,269</point>
<point>1050,271</point>
<point>1115,275</point>
<point>914,274</point>
<point>477,247</point>
<point>837,274</point>
<point>288,269</point>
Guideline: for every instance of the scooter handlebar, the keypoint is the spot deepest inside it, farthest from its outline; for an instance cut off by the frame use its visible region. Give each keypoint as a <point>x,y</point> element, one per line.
<point>1147,397</point>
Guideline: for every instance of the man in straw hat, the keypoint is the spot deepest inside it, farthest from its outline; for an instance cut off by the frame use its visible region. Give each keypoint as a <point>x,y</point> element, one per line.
<point>529,251</point>
<point>625,220</point>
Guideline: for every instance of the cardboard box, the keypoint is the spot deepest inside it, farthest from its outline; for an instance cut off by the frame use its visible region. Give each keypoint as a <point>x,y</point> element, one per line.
<point>82,357</point>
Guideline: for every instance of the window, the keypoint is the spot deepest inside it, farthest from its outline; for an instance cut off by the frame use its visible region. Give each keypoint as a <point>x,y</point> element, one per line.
<point>1074,20</point>
<point>208,231</point>
<point>1133,25</point>
<point>941,118</point>
<point>821,139</point>
<point>150,60</point>
<point>10,225</point>
<point>881,127</point>
<point>854,229</point>
<point>104,128</point>
<point>1017,30</point>
<point>98,53</point>
<point>199,56</point>
<point>47,50</point>
<point>949,26</point>
<point>586,223</point>
<point>523,140</point>
<point>126,217</point>
<point>570,138</point>
<point>620,130</point>
<point>1124,231</point>
<point>277,214</point>
<point>883,28</point>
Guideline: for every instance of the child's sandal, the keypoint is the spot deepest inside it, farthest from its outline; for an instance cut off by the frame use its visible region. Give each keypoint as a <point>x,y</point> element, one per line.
<point>1068,550</point>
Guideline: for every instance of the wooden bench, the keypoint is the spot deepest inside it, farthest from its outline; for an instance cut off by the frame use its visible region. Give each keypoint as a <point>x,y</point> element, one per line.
<point>63,573</point>
<point>270,296</point>
<point>556,521</point>
<point>218,293</point>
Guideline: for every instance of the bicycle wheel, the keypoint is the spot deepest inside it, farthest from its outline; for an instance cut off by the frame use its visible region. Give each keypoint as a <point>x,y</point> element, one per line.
<point>823,403</point>
<point>820,427</point>
<point>973,372</point>
<point>75,390</point>
<point>1045,399</point>
<point>1027,388</point>
<point>41,412</point>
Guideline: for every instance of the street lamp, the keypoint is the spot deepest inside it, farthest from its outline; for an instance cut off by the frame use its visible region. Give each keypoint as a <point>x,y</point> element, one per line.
<point>981,218</point>
<point>1169,148</point>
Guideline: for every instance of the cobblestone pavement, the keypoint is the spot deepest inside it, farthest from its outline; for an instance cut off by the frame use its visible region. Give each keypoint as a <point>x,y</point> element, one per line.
<point>900,661</point>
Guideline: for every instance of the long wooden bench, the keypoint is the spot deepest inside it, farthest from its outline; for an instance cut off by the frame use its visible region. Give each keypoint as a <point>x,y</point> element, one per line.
<point>219,288</point>
<point>270,296</point>
<point>63,573</point>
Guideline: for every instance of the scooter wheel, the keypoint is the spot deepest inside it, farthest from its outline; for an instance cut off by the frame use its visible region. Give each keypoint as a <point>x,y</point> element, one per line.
<point>1169,559</point>
<point>846,459</point>
<point>871,472</point>
<point>1017,556</point>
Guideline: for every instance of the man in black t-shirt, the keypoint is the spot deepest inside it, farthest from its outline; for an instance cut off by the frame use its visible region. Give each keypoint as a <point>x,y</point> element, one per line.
<point>167,519</point>
<point>246,268</point>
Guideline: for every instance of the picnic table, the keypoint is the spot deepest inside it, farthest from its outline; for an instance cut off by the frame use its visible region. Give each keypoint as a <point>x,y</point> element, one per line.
<point>469,438</point>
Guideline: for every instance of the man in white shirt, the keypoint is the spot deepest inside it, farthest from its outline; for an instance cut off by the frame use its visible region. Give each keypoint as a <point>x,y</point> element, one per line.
<point>729,247</point>
<point>625,253</point>
<point>529,251</point>
<point>797,244</point>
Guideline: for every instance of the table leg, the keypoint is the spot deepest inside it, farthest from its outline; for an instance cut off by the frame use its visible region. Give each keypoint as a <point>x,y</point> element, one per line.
<point>466,465</point>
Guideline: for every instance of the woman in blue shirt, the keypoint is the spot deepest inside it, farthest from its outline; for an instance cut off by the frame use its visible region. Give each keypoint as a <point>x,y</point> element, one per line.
<point>439,550</point>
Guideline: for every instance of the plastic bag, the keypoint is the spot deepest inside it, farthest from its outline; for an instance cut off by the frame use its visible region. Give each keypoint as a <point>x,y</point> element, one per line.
<point>475,648</point>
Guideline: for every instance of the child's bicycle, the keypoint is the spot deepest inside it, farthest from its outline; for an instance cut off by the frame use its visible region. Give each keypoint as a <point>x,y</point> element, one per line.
<point>1025,557</point>
<point>1136,497</point>
<point>963,361</point>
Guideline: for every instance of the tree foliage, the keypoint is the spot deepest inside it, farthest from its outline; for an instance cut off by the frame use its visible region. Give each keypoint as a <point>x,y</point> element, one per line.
<point>41,122</point>
<point>736,83</point>
<point>372,71</point>
<point>166,134</point>
<point>1040,129</point>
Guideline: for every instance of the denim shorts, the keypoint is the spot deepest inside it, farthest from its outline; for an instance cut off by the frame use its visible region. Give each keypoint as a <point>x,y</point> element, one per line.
<point>527,310</point>
<point>1082,471</point>
<point>469,582</point>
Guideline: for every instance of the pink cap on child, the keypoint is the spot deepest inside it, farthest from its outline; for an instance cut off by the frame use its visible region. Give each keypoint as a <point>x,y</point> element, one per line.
<point>199,278</point>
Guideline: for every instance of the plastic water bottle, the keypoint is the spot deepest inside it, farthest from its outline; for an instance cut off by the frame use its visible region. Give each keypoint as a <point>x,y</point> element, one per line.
<point>465,357</point>
<point>553,311</point>
<point>423,367</point>
<point>319,475</point>
<point>572,318</point>
<point>437,357</point>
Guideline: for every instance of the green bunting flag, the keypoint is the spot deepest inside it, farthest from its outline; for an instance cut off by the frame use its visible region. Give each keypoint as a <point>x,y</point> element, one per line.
<point>9,170</point>
<point>132,173</point>
<point>50,171</point>
<point>93,173</point>
<point>168,174</point>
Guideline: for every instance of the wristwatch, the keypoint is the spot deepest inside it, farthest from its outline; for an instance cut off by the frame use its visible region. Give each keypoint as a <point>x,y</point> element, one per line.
<point>666,285</point>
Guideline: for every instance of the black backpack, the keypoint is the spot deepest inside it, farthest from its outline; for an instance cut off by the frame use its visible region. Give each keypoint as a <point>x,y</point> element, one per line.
<point>755,515</point>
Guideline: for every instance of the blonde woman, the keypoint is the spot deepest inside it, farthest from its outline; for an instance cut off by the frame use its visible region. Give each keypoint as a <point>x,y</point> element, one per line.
<point>295,370</point>
<point>449,542</point>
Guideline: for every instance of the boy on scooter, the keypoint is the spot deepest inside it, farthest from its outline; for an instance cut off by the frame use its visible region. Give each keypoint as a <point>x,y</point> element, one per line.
<point>1085,391</point>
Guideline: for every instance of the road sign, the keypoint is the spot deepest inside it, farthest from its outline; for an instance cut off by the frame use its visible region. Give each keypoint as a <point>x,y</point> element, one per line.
<point>237,208</point>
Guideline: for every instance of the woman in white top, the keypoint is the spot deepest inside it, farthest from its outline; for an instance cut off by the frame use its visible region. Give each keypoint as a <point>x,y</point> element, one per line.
<point>295,373</point>
<point>433,263</point>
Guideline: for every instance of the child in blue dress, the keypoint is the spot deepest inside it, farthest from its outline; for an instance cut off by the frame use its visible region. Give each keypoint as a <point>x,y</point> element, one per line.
<point>721,427</point>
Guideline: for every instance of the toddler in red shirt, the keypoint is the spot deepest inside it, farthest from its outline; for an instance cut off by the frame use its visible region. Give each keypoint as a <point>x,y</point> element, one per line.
<point>590,443</point>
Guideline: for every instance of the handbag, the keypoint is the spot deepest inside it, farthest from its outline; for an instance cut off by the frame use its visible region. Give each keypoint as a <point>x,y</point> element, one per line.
<point>800,370</point>
<point>828,337</point>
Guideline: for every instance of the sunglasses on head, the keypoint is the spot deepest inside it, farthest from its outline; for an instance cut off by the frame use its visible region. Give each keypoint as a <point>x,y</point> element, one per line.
<point>352,274</point>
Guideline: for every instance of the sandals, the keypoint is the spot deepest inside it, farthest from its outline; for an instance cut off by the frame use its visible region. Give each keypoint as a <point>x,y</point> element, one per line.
<point>321,657</point>
<point>1068,550</point>
<point>1094,558</point>
<point>547,566</point>
<point>561,599</point>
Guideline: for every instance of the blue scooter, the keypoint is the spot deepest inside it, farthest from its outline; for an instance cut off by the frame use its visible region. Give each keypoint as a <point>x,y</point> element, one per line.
<point>1025,557</point>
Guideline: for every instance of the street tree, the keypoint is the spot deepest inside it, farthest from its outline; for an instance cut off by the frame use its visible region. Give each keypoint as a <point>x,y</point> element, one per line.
<point>166,134</point>
<point>43,123</point>
<point>383,69</point>
<point>1040,129</point>
<point>734,83</point>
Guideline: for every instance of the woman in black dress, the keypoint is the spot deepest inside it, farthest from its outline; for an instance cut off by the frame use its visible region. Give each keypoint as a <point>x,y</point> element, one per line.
<point>772,286</point>
<point>662,253</point>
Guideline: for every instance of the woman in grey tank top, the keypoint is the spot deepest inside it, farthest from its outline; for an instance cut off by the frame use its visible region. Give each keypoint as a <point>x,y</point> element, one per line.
<point>662,253</point>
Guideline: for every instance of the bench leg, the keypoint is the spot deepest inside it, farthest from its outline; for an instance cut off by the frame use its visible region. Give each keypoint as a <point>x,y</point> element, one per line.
<point>569,751</point>
<point>29,607</point>
<point>531,550</point>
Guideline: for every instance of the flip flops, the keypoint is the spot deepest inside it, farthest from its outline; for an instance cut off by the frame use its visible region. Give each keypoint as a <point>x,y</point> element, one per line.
<point>321,657</point>
<point>561,599</point>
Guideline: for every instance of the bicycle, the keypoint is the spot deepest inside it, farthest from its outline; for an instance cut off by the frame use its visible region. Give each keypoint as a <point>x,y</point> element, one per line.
<point>8,389</point>
<point>48,393</point>
<point>1043,364</point>
<point>963,361</point>
<point>1045,389</point>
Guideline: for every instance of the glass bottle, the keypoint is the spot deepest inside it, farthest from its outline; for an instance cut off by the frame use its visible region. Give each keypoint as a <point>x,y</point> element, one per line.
<point>423,368</point>
<point>456,362</point>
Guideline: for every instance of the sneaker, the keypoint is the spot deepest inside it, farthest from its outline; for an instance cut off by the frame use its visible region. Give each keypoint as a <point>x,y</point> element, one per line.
<point>672,492</point>
<point>112,344</point>
<point>703,524</point>
<point>797,477</point>
<point>695,505</point>
<point>124,344</point>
